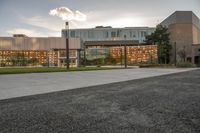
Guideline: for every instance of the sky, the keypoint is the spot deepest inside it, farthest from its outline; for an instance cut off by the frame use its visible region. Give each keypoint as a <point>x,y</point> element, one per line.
<point>33,18</point>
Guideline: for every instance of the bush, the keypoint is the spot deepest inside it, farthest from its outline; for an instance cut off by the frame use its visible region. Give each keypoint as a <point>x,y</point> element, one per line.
<point>185,65</point>
<point>156,65</point>
<point>3,64</point>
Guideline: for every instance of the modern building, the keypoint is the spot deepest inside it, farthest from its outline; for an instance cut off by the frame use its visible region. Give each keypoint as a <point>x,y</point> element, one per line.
<point>38,50</point>
<point>136,52</point>
<point>108,33</point>
<point>184,28</point>
<point>105,44</point>
<point>112,42</point>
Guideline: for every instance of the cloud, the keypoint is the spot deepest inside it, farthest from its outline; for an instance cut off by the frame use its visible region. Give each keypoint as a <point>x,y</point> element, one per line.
<point>67,14</point>
<point>50,26</point>
<point>122,19</point>
<point>41,22</point>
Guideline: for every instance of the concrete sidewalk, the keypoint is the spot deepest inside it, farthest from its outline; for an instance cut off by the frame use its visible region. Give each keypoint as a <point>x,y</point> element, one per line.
<point>30,84</point>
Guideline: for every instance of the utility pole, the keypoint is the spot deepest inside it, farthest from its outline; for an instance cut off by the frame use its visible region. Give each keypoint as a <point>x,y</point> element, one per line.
<point>67,45</point>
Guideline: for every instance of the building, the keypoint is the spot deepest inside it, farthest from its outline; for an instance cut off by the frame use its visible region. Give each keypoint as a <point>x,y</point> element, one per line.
<point>105,42</point>
<point>45,51</point>
<point>184,28</point>
<point>136,52</point>
<point>105,45</point>
<point>101,33</point>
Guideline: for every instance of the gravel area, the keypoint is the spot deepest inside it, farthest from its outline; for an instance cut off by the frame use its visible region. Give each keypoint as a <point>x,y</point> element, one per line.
<point>163,104</point>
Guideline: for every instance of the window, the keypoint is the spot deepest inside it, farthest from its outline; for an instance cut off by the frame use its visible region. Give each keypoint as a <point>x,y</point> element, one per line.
<point>90,34</point>
<point>72,53</point>
<point>143,33</point>
<point>64,33</point>
<point>131,34</point>
<point>106,34</point>
<point>72,33</point>
<point>134,34</point>
<point>113,34</point>
<point>118,33</point>
<point>85,34</point>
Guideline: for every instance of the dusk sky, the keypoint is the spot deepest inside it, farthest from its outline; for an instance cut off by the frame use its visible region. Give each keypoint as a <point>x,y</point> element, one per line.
<point>32,17</point>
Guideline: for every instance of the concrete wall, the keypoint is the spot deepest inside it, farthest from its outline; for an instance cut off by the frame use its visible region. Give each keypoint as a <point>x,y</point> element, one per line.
<point>184,28</point>
<point>196,34</point>
<point>33,43</point>
<point>183,36</point>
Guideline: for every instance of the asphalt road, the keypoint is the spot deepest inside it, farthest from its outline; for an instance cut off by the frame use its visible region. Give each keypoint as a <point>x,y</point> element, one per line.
<point>163,104</point>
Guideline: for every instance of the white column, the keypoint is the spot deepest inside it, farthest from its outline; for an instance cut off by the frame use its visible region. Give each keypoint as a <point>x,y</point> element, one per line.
<point>77,58</point>
<point>59,59</point>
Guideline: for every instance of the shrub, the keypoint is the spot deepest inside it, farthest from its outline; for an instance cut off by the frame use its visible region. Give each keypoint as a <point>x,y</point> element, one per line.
<point>185,65</point>
<point>3,64</point>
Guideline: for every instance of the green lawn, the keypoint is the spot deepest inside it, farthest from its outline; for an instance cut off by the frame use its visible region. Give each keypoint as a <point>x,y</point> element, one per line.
<point>46,70</point>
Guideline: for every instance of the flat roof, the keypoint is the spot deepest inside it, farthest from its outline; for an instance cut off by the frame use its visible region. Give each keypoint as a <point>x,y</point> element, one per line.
<point>112,28</point>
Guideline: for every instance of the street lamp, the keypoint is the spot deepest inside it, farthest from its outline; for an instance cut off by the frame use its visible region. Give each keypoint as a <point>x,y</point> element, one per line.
<point>120,55</point>
<point>84,54</point>
<point>125,53</point>
<point>67,45</point>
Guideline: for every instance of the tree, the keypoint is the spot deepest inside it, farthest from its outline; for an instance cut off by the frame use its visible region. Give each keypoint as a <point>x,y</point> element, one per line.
<point>182,54</point>
<point>160,38</point>
<point>18,59</point>
<point>33,61</point>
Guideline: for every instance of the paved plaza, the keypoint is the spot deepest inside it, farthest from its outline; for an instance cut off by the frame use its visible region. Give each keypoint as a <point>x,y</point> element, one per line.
<point>18,85</point>
<point>161,104</point>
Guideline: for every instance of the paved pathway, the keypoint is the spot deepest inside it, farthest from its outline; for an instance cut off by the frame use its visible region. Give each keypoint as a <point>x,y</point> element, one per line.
<point>18,85</point>
<point>162,104</point>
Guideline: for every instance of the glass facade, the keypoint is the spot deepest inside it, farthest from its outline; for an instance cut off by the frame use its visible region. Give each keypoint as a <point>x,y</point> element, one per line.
<point>113,34</point>
<point>90,34</point>
<point>102,55</point>
<point>135,54</point>
<point>102,34</point>
<point>72,34</point>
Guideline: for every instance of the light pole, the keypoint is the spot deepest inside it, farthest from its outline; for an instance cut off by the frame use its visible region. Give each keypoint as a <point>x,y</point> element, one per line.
<point>84,56</point>
<point>67,45</point>
<point>125,53</point>
<point>120,55</point>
